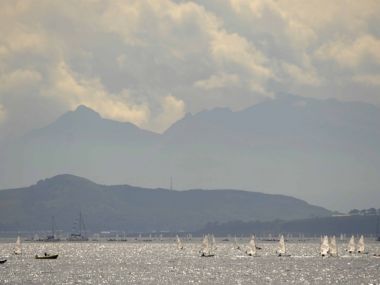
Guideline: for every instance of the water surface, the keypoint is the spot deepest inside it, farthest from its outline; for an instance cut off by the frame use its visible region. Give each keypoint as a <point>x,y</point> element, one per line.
<point>162,263</point>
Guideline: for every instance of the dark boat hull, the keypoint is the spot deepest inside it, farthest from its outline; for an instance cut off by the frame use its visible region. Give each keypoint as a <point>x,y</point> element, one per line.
<point>3,261</point>
<point>47,257</point>
<point>207,255</point>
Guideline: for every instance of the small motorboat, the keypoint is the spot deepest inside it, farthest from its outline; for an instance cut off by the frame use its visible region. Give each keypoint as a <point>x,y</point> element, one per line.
<point>2,261</point>
<point>46,256</point>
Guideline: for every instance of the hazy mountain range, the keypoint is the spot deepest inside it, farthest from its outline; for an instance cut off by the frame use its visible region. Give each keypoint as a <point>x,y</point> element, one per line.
<point>136,209</point>
<point>324,151</point>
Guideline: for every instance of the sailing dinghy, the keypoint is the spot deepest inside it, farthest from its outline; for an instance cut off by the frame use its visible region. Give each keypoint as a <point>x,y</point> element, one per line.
<point>351,245</point>
<point>361,246</point>
<point>179,243</point>
<point>333,251</point>
<point>251,248</point>
<point>213,243</point>
<point>206,250</point>
<point>18,249</point>
<point>325,246</point>
<point>281,251</point>
<point>236,245</point>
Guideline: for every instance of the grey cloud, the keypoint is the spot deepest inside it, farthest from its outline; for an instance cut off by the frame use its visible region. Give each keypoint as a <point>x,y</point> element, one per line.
<point>129,59</point>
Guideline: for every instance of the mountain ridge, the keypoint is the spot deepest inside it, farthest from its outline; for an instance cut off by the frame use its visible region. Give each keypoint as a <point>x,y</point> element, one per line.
<point>139,209</point>
<point>318,150</point>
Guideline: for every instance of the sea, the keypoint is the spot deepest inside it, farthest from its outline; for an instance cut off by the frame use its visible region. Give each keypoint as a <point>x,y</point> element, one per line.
<point>160,262</point>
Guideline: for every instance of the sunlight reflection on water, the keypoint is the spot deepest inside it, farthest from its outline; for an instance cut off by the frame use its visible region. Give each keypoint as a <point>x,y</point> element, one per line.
<point>162,263</point>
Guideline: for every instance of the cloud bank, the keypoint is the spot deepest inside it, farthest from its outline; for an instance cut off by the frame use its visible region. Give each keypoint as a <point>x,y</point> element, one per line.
<point>150,62</point>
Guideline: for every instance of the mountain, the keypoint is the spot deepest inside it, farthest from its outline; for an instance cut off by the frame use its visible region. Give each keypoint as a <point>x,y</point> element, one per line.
<point>131,208</point>
<point>323,151</point>
<point>80,142</point>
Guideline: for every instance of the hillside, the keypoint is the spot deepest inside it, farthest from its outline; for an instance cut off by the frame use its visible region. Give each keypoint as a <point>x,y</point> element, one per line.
<point>335,225</point>
<point>317,150</point>
<point>131,208</point>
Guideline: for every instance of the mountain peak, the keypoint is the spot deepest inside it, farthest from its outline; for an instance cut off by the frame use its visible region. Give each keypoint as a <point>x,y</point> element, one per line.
<point>64,179</point>
<point>83,110</point>
<point>81,114</point>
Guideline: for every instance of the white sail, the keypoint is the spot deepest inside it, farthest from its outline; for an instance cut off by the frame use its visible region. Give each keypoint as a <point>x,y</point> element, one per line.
<point>361,245</point>
<point>236,245</point>
<point>351,245</point>
<point>333,247</point>
<point>213,242</point>
<point>325,246</point>
<point>205,245</point>
<point>206,249</point>
<point>18,248</point>
<point>281,246</point>
<point>179,243</point>
<point>251,248</point>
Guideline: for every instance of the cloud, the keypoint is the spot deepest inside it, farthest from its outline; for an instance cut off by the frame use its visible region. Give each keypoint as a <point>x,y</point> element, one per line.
<point>172,109</point>
<point>19,79</point>
<point>218,81</point>
<point>301,76</point>
<point>123,58</point>
<point>352,53</point>
<point>232,49</point>
<point>368,79</point>
<point>73,90</point>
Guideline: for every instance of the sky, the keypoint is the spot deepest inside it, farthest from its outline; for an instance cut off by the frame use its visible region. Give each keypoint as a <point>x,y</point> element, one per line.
<point>151,62</point>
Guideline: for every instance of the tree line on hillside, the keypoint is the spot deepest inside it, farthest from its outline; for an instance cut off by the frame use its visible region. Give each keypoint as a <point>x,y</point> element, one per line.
<point>364,212</point>
<point>336,225</point>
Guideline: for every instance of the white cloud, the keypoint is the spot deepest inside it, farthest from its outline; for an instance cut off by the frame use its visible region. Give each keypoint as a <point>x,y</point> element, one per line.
<point>301,76</point>
<point>368,79</point>
<point>73,90</point>
<point>352,53</point>
<point>19,79</point>
<point>173,109</point>
<point>217,81</point>
<point>232,48</point>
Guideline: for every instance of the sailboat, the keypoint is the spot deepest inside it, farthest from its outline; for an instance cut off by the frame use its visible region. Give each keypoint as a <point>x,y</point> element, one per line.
<point>206,250</point>
<point>251,248</point>
<point>361,246</point>
<point>236,245</point>
<point>281,251</point>
<point>17,250</point>
<point>179,243</point>
<point>351,245</point>
<point>213,243</point>
<point>52,237</point>
<point>333,251</point>
<point>325,246</point>
<point>79,234</point>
